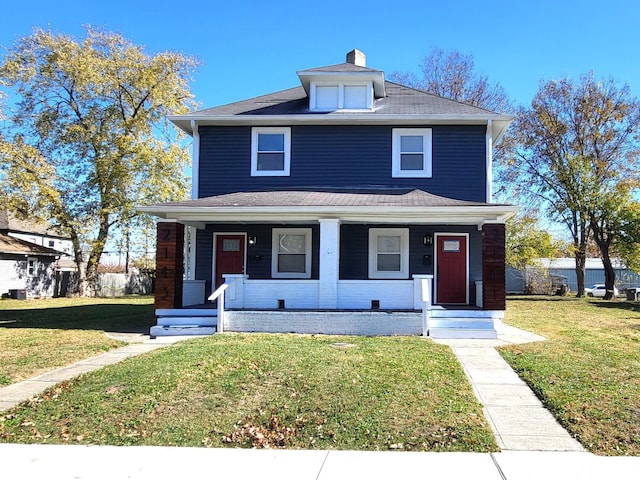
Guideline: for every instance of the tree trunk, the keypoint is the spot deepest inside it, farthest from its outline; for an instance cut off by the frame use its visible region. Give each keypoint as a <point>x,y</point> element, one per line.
<point>78,257</point>
<point>581,261</point>
<point>609,277</point>
<point>580,240</point>
<point>82,276</point>
<point>603,239</point>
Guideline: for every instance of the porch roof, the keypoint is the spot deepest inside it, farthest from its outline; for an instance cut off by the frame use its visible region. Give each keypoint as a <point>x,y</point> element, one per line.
<point>358,205</point>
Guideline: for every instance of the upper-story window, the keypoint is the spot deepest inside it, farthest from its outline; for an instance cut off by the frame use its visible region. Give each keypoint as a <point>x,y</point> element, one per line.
<point>270,151</point>
<point>328,97</point>
<point>411,152</point>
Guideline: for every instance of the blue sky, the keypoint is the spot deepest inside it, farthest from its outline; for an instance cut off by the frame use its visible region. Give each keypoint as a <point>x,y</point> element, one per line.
<point>248,48</point>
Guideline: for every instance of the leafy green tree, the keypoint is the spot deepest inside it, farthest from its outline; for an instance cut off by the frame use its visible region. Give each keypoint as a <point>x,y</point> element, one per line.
<point>627,241</point>
<point>88,138</point>
<point>526,243</point>
<point>576,155</point>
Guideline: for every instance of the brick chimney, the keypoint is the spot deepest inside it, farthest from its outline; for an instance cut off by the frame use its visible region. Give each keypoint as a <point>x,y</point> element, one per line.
<point>356,57</point>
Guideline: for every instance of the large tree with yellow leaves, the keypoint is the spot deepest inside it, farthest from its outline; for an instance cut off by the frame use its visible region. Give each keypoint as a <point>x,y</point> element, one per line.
<point>87,139</point>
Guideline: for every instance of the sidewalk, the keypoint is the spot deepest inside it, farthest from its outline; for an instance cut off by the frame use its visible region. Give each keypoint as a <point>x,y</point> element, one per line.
<point>77,462</point>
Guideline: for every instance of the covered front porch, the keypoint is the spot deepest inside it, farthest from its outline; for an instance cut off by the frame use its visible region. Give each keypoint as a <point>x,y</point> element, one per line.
<point>327,253</point>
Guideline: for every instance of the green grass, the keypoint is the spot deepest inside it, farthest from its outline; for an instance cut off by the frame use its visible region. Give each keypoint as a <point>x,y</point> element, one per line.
<point>588,371</point>
<point>291,391</point>
<point>39,335</point>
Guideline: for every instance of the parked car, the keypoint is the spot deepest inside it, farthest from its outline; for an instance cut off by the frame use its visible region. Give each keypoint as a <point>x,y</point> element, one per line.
<point>598,290</point>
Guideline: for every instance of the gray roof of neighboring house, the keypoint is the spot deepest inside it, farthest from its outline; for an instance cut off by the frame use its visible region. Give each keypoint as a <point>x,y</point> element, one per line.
<point>12,245</point>
<point>366,197</point>
<point>9,222</point>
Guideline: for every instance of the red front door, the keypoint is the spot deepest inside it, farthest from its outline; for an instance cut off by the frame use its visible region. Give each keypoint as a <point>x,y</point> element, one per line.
<point>451,281</point>
<point>229,256</point>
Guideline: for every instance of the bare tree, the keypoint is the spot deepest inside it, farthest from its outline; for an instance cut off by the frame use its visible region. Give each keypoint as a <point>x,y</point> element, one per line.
<point>453,75</point>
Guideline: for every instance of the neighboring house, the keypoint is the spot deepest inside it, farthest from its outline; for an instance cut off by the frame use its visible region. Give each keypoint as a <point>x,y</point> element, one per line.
<point>563,270</point>
<point>326,206</point>
<point>39,233</point>
<point>29,256</point>
<point>27,270</point>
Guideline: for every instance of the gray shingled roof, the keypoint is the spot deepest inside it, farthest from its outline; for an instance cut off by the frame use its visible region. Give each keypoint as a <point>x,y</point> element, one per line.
<point>400,100</point>
<point>340,67</point>
<point>328,198</point>
<point>9,222</point>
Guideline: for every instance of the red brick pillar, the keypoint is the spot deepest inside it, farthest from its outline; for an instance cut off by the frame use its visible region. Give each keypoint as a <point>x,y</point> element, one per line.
<point>493,267</point>
<point>169,265</point>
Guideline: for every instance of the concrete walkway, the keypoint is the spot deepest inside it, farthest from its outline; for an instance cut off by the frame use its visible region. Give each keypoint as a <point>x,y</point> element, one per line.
<point>517,417</point>
<point>15,393</point>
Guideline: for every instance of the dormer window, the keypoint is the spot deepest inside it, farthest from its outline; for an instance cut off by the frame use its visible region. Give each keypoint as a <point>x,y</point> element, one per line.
<point>328,97</point>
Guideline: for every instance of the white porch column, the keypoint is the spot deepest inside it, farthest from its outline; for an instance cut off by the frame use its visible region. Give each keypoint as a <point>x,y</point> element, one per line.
<point>329,262</point>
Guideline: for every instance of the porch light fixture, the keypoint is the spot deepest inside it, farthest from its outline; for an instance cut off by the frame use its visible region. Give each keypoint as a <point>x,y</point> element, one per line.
<point>427,239</point>
<point>252,241</point>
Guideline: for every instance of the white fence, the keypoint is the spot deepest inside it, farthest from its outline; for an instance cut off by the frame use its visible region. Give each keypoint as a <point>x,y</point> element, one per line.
<point>119,284</point>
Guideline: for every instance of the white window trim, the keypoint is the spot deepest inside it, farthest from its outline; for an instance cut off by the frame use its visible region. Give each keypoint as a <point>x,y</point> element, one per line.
<point>427,143</point>
<point>403,233</point>
<point>340,85</point>
<point>275,235</point>
<point>286,131</point>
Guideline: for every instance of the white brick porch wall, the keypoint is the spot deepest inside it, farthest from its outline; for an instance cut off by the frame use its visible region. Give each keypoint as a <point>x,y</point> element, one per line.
<point>392,294</point>
<point>328,323</point>
<point>351,294</point>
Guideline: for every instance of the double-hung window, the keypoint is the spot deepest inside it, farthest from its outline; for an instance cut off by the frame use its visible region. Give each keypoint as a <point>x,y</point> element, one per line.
<point>411,152</point>
<point>270,151</point>
<point>291,253</point>
<point>388,253</point>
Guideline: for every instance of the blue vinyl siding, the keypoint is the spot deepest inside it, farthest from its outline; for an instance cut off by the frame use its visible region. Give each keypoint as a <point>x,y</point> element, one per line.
<point>354,251</point>
<point>345,156</point>
<point>258,257</point>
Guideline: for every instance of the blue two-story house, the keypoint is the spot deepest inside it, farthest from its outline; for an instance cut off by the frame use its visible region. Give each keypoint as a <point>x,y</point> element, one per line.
<point>348,204</point>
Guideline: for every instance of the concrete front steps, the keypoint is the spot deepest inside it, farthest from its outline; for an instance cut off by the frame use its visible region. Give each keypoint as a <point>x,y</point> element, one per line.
<point>172,322</point>
<point>443,323</point>
<point>470,324</point>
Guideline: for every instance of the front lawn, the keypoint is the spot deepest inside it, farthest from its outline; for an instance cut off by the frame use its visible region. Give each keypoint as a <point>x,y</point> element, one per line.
<point>588,371</point>
<point>39,335</point>
<point>261,390</point>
